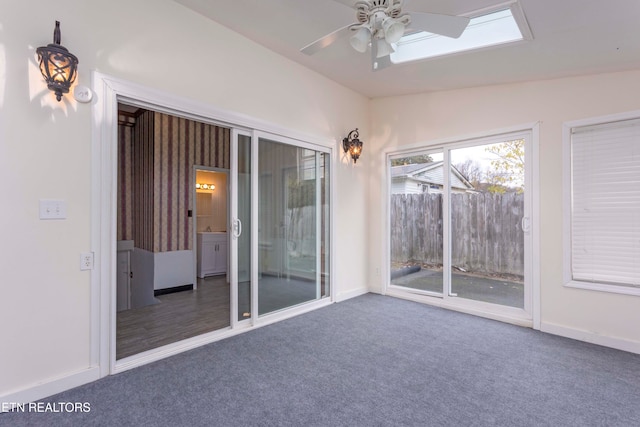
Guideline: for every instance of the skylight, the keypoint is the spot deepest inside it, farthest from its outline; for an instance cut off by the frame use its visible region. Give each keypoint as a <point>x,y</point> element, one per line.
<point>491,29</point>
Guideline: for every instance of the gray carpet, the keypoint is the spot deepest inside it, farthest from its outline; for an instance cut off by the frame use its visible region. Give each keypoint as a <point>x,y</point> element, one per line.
<point>369,361</point>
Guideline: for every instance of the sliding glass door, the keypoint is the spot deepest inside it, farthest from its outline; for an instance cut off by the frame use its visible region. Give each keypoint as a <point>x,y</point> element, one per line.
<point>416,238</point>
<point>241,228</point>
<point>459,222</point>
<point>280,224</point>
<point>488,223</point>
<point>293,225</point>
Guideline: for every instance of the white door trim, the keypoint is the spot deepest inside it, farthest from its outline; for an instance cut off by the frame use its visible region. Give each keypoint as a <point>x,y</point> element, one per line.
<point>108,92</point>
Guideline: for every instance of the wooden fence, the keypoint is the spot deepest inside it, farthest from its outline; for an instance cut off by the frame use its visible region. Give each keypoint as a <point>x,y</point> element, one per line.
<point>486,233</point>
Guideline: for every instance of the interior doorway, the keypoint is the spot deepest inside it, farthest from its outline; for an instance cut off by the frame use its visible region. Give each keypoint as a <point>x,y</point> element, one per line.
<point>211,210</point>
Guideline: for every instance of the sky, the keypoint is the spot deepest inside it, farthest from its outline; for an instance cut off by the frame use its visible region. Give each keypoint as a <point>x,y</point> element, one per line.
<point>477,153</point>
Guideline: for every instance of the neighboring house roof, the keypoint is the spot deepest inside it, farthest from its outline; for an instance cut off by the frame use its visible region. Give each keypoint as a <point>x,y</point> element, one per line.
<point>431,173</point>
<point>405,170</point>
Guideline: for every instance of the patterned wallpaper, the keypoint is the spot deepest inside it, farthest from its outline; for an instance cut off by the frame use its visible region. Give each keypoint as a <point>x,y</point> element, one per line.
<point>156,157</point>
<point>124,209</point>
<point>142,177</point>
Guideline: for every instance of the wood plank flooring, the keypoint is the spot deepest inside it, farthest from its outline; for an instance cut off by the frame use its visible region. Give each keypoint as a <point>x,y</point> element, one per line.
<point>187,314</point>
<point>178,316</point>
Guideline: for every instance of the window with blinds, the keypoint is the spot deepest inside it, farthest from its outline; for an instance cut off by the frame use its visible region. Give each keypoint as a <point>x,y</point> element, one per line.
<point>605,204</point>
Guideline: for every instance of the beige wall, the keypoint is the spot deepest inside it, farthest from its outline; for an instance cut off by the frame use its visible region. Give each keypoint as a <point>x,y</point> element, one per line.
<point>406,120</point>
<point>45,152</point>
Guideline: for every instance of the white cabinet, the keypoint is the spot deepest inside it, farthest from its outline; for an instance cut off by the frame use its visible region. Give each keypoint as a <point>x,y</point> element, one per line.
<point>212,254</point>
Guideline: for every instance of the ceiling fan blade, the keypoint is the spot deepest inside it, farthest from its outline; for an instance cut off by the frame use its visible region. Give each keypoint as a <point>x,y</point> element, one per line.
<point>445,25</point>
<point>348,3</point>
<point>327,40</point>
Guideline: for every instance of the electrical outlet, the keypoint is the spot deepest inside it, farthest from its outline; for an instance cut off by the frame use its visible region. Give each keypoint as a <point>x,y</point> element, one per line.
<point>86,261</point>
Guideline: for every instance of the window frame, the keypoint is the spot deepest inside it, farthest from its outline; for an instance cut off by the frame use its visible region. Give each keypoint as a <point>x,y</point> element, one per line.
<point>567,195</point>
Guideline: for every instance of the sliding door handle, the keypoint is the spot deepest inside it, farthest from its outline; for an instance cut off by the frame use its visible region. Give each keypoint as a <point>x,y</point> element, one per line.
<point>237,228</point>
<point>526,224</point>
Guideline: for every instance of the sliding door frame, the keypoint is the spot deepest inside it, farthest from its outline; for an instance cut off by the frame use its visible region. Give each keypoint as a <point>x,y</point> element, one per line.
<point>530,315</point>
<point>109,92</point>
<point>271,317</point>
<point>234,216</point>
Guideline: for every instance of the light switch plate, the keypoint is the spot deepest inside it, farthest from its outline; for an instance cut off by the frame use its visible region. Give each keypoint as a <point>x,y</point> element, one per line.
<point>53,209</point>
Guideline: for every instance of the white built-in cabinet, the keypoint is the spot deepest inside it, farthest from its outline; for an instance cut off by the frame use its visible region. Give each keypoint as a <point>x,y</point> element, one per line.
<point>212,253</point>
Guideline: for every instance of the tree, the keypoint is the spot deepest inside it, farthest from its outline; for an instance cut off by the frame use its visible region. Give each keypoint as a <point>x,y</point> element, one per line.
<point>471,170</point>
<point>413,160</point>
<point>507,169</point>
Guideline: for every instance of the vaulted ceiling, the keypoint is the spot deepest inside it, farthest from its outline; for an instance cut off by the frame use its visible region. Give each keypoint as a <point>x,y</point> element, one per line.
<point>570,37</point>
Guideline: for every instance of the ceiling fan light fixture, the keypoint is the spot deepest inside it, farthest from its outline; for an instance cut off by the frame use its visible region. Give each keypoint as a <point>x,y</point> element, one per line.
<point>393,30</point>
<point>381,25</point>
<point>360,40</point>
<point>384,48</point>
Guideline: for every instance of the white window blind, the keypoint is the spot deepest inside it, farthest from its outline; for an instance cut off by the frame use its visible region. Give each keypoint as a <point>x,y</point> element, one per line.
<point>605,203</point>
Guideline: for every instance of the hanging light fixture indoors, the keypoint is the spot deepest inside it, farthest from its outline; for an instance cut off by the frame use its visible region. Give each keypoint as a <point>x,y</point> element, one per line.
<point>361,39</point>
<point>57,65</point>
<point>381,25</point>
<point>352,145</point>
<point>394,29</point>
<point>384,48</point>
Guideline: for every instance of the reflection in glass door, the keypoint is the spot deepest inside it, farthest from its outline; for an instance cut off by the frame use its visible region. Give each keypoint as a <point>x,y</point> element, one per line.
<point>293,225</point>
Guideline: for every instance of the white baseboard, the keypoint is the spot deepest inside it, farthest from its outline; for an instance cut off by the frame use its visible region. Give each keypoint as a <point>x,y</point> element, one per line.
<point>590,337</point>
<point>51,387</point>
<point>343,296</point>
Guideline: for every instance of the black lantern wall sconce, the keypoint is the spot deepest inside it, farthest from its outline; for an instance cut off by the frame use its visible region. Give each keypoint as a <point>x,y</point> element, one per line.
<point>352,145</point>
<point>58,66</point>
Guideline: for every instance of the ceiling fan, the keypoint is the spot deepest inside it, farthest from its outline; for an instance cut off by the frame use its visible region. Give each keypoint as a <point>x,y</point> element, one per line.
<point>382,23</point>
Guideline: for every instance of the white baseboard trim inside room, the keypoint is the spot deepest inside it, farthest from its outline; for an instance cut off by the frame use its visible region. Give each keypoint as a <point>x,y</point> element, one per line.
<point>590,337</point>
<point>49,388</point>
<point>343,296</point>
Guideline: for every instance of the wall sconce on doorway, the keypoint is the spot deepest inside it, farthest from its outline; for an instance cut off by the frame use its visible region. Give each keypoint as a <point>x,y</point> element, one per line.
<point>200,186</point>
<point>58,66</point>
<point>352,145</point>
